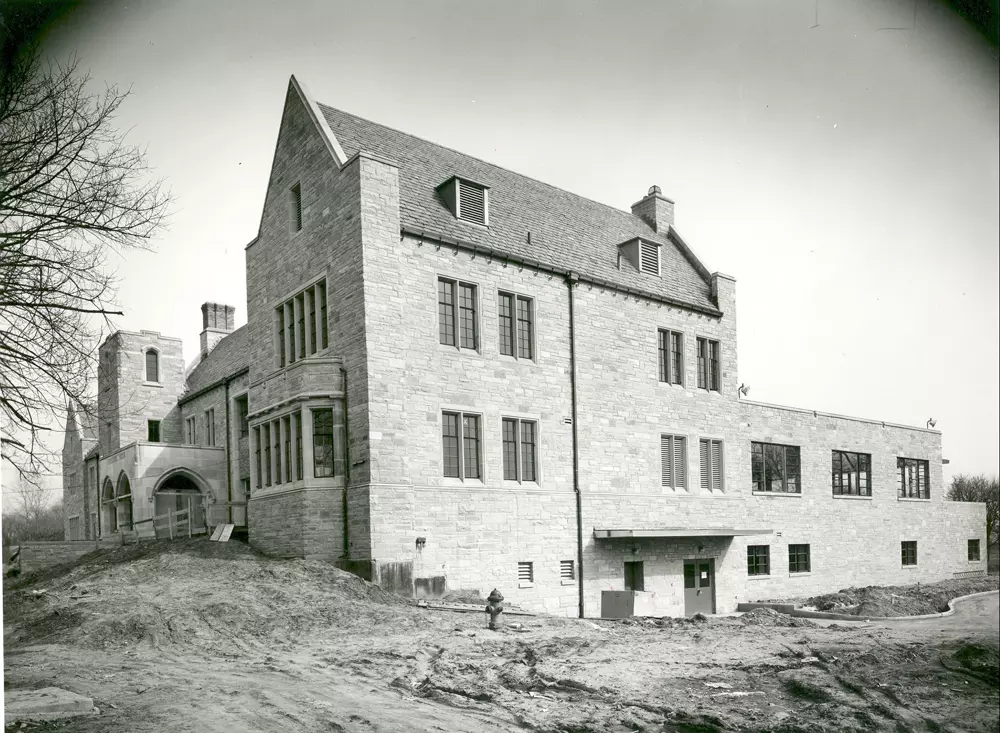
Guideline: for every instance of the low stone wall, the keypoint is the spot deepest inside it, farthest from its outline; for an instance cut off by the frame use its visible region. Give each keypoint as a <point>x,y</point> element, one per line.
<point>40,555</point>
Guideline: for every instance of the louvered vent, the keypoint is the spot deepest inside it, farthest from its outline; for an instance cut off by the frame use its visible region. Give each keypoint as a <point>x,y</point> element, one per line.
<point>649,257</point>
<point>672,461</point>
<point>711,465</point>
<point>472,203</point>
<point>566,571</point>
<point>525,572</point>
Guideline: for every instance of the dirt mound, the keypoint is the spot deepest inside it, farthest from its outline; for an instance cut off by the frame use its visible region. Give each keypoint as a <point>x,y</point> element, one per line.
<point>908,600</point>
<point>980,661</point>
<point>190,592</point>
<point>770,617</point>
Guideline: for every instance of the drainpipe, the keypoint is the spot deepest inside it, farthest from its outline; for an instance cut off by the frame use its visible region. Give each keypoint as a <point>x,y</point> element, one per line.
<point>571,279</point>
<point>347,465</point>
<point>100,498</point>
<point>229,460</point>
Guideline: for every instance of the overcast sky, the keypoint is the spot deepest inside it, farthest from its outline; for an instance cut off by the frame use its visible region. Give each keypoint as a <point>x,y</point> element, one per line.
<point>845,173</point>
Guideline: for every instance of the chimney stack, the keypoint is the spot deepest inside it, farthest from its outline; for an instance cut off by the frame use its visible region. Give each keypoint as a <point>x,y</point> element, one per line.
<point>217,323</point>
<point>656,210</point>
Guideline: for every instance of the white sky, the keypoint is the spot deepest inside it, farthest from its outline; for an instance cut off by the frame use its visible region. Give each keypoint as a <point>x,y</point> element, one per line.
<point>846,176</point>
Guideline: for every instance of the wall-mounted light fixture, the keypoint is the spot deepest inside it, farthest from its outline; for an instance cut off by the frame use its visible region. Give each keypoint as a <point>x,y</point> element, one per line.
<point>931,423</point>
<point>744,389</point>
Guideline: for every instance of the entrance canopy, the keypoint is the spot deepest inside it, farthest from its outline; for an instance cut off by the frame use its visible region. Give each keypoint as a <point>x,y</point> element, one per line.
<point>613,534</point>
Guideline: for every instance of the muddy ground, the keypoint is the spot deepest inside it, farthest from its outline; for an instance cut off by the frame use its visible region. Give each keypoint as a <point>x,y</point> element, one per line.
<point>199,636</point>
<point>900,600</point>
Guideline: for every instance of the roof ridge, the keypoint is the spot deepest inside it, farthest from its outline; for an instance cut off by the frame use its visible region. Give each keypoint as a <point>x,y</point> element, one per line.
<point>496,165</point>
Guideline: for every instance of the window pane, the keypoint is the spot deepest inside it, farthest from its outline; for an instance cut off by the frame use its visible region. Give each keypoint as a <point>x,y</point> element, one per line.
<point>467,315</point>
<point>705,457</point>
<point>324,327</point>
<point>713,365</point>
<point>663,357</point>
<point>524,328</point>
<point>528,451</point>
<point>470,439</point>
<point>299,470</point>
<point>152,366</point>
<point>290,319</point>
<point>311,300</point>
<point>446,312</point>
<point>449,442</point>
<point>281,335</point>
<point>506,319</point>
<point>676,359</point>
<point>300,306</point>
<point>322,443</point>
<point>509,438</point>
<point>757,466</point>
<point>774,467</point>
<point>702,364</point>
<point>792,469</point>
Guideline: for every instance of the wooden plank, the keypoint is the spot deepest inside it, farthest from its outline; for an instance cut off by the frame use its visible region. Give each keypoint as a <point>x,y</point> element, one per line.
<point>227,530</point>
<point>217,533</point>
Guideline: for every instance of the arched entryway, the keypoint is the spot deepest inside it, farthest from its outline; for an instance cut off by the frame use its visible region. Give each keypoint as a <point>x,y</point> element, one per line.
<point>109,516</point>
<point>123,499</point>
<point>178,490</point>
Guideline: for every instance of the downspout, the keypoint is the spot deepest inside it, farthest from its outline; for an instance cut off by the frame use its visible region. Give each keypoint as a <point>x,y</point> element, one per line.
<point>347,466</point>
<point>571,280</point>
<point>100,499</point>
<point>229,461</point>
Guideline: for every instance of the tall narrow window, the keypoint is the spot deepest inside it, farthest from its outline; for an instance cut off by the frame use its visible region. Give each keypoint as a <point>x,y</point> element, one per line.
<point>516,322</point>
<point>323,443</point>
<point>446,312</point>
<point>914,481</point>
<point>257,458</point>
<point>909,552</point>
<point>152,366</point>
<point>711,465</point>
<point>295,207</point>
<point>851,473</point>
<point>460,443</point>
<point>324,327</point>
<point>708,365</point>
<point>974,551</point>
<point>671,357</point>
<point>266,435</point>
<point>467,325</point>
<point>280,310</point>
<point>299,470</point>
<point>153,431</point>
<point>519,449</point>
<point>286,424</point>
<point>191,430</point>
<point>775,468</point>
<point>276,443</point>
<point>210,426</point>
<point>310,299</point>
<point>242,413</point>
<point>289,310</point>
<point>673,461</point>
<point>300,308</point>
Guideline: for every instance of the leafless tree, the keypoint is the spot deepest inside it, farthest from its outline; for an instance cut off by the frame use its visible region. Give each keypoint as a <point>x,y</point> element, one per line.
<point>71,193</point>
<point>979,488</point>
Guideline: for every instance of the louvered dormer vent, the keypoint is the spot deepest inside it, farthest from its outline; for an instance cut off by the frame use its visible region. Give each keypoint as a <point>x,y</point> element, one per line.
<point>467,200</point>
<point>649,257</point>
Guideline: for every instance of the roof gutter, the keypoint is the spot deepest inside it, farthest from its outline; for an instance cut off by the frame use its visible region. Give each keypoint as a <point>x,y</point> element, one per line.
<point>498,254</point>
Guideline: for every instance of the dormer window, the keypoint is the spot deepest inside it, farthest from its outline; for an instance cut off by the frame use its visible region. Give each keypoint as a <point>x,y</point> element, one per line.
<point>643,254</point>
<point>467,200</point>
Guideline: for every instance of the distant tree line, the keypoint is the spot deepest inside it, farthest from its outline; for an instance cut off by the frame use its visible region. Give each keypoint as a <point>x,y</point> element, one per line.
<point>982,488</point>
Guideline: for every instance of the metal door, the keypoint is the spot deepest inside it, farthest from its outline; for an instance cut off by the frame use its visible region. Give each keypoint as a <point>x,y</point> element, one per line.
<point>699,587</point>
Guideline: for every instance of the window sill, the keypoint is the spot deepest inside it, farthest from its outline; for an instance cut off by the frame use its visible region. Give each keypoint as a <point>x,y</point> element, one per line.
<point>508,484</point>
<point>909,567</point>
<point>786,494</point>
<point>152,384</point>
<point>508,358</point>
<point>468,482</point>
<point>799,575</point>
<point>975,562</point>
<point>567,581</point>
<point>852,497</point>
<point>446,349</point>
<point>907,498</point>
<point>758,577</point>
<point>525,584</point>
<point>674,385</point>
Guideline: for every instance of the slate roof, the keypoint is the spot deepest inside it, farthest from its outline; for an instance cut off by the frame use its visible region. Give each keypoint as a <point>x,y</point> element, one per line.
<point>567,231</point>
<point>229,357</point>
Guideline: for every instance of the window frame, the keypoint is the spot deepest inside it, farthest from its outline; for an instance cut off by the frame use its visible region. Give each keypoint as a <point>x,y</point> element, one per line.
<point>456,285</point>
<point>708,379</point>
<point>974,543</point>
<point>754,561</point>
<point>314,411</point>
<point>210,426</point>
<point>149,431</point>
<point>856,473</point>
<point>460,415</point>
<point>923,491</point>
<point>667,356</point>
<point>519,442</point>
<point>795,558</point>
<point>908,553</point>
<point>515,326</point>
<point>285,355</point>
<point>767,491</point>
<point>191,430</point>
<point>145,365</point>
<point>672,440</point>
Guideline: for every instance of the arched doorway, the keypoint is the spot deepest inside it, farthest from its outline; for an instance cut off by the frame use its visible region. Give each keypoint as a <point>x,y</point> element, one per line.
<point>123,497</point>
<point>109,517</point>
<point>178,491</point>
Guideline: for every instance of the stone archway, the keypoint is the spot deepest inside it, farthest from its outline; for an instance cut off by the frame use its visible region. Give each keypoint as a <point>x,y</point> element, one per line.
<point>123,500</point>
<point>109,513</point>
<point>181,489</point>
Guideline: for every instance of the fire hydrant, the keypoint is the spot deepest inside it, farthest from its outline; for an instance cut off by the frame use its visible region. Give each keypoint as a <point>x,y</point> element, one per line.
<point>494,607</point>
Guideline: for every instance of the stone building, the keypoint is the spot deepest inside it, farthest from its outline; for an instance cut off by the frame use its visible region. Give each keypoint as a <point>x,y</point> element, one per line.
<point>458,377</point>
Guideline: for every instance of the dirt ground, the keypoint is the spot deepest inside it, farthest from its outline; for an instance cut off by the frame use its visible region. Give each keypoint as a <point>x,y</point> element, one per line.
<point>907,600</point>
<point>199,636</point>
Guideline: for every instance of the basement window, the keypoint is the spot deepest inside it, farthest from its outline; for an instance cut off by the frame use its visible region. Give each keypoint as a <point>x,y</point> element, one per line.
<point>467,200</point>
<point>908,550</point>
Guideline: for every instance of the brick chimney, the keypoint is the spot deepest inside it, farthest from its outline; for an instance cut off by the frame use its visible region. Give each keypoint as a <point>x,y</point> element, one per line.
<point>656,210</point>
<point>217,323</point>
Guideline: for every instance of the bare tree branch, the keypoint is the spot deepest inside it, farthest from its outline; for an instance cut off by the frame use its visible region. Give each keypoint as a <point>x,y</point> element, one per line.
<point>979,488</point>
